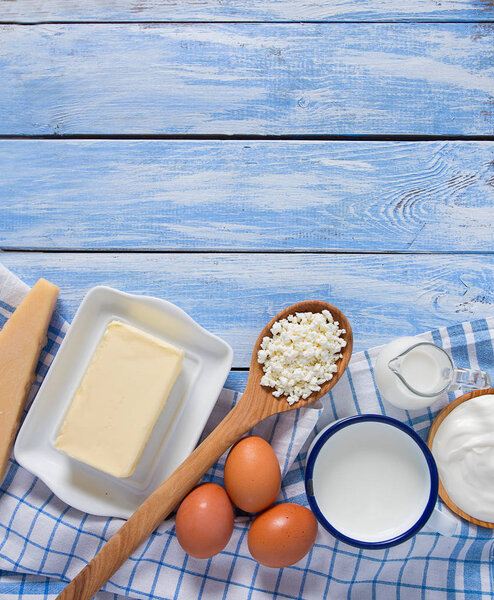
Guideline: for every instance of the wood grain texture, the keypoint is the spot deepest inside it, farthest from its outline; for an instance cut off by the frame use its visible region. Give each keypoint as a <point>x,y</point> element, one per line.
<point>237,380</point>
<point>247,79</point>
<point>195,195</point>
<point>234,295</point>
<point>29,11</point>
<point>430,440</point>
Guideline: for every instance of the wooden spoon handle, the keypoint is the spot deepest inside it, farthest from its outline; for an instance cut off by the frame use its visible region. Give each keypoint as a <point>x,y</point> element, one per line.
<point>156,508</point>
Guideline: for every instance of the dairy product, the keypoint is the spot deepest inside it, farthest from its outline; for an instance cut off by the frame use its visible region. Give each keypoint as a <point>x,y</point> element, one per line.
<point>422,368</point>
<point>463,448</point>
<point>426,371</point>
<point>301,354</point>
<point>371,481</point>
<point>119,400</point>
<point>21,341</point>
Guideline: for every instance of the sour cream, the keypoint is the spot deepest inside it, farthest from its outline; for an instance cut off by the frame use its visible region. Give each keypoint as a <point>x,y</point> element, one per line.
<point>463,448</point>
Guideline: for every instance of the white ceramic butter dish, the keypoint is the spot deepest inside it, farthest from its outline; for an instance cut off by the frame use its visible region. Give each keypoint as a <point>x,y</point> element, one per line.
<point>206,365</point>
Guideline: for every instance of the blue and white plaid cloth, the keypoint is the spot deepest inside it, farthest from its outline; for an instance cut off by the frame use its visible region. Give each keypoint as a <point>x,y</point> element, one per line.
<point>44,543</point>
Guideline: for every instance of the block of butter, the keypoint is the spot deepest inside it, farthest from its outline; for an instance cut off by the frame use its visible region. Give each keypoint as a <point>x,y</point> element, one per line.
<point>119,400</point>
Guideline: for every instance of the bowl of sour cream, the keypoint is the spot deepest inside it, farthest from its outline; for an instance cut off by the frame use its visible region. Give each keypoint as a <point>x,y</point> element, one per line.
<point>462,443</point>
<point>371,481</point>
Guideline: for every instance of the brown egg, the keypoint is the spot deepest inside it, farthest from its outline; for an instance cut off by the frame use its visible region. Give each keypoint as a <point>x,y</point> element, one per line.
<point>252,474</point>
<point>204,521</point>
<point>282,535</point>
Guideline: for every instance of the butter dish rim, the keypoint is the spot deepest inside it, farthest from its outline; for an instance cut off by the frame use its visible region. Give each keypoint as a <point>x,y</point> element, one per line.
<point>34,449</point>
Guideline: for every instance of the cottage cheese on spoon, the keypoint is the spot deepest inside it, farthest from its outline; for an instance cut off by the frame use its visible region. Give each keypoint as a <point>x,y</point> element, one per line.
<point>301,354</point>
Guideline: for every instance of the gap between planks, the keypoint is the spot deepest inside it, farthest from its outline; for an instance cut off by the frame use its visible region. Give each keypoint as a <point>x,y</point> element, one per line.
<point>398,21</point>
<point>329,251</point>
<point>249,138</point>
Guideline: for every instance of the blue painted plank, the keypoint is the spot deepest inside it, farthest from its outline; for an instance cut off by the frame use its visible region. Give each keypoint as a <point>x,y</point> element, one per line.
<point>196,195</point>
<point>237,380</point>
<point>29,11</point>
<point>264,79</point>
<point>235,295</point>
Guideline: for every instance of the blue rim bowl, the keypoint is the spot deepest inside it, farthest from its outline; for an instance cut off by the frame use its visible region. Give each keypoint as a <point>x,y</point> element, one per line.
<point>309,471</point>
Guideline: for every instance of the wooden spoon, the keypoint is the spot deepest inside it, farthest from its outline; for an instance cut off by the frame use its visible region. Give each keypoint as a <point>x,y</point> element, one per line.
<point>443,494</point>
<point>256,404</point>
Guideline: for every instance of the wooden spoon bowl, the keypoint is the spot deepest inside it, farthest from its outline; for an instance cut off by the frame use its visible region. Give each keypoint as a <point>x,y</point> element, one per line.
<point>260,399</point>
<point>443,494</point>
<point>256,404</point>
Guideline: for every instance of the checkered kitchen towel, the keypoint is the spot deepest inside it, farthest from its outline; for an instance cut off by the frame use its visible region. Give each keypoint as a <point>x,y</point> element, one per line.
<point>43,542</point>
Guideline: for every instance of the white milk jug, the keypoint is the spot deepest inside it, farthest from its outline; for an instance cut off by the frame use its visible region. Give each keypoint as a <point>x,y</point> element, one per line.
<point>411,374</point>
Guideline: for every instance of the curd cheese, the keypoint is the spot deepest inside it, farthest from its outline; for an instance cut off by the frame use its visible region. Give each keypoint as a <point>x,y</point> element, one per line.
<point>301,354</point>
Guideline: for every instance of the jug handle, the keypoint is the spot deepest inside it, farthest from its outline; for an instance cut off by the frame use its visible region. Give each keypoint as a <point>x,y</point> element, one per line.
<point>470,379</point>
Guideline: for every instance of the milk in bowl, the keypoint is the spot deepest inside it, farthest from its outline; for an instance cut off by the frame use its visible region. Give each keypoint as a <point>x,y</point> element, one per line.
<point>371,481</point>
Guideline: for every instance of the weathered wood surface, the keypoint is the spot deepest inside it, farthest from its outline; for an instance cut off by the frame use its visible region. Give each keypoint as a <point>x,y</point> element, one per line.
<point>237,380</point>
<point>235,295</point>
<point>365,79</point>
<point>195,195</point>
<point>333,79</point>
<point>29,11</point>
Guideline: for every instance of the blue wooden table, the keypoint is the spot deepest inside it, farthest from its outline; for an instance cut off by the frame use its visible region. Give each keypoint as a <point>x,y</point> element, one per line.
<point>235,157</point>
